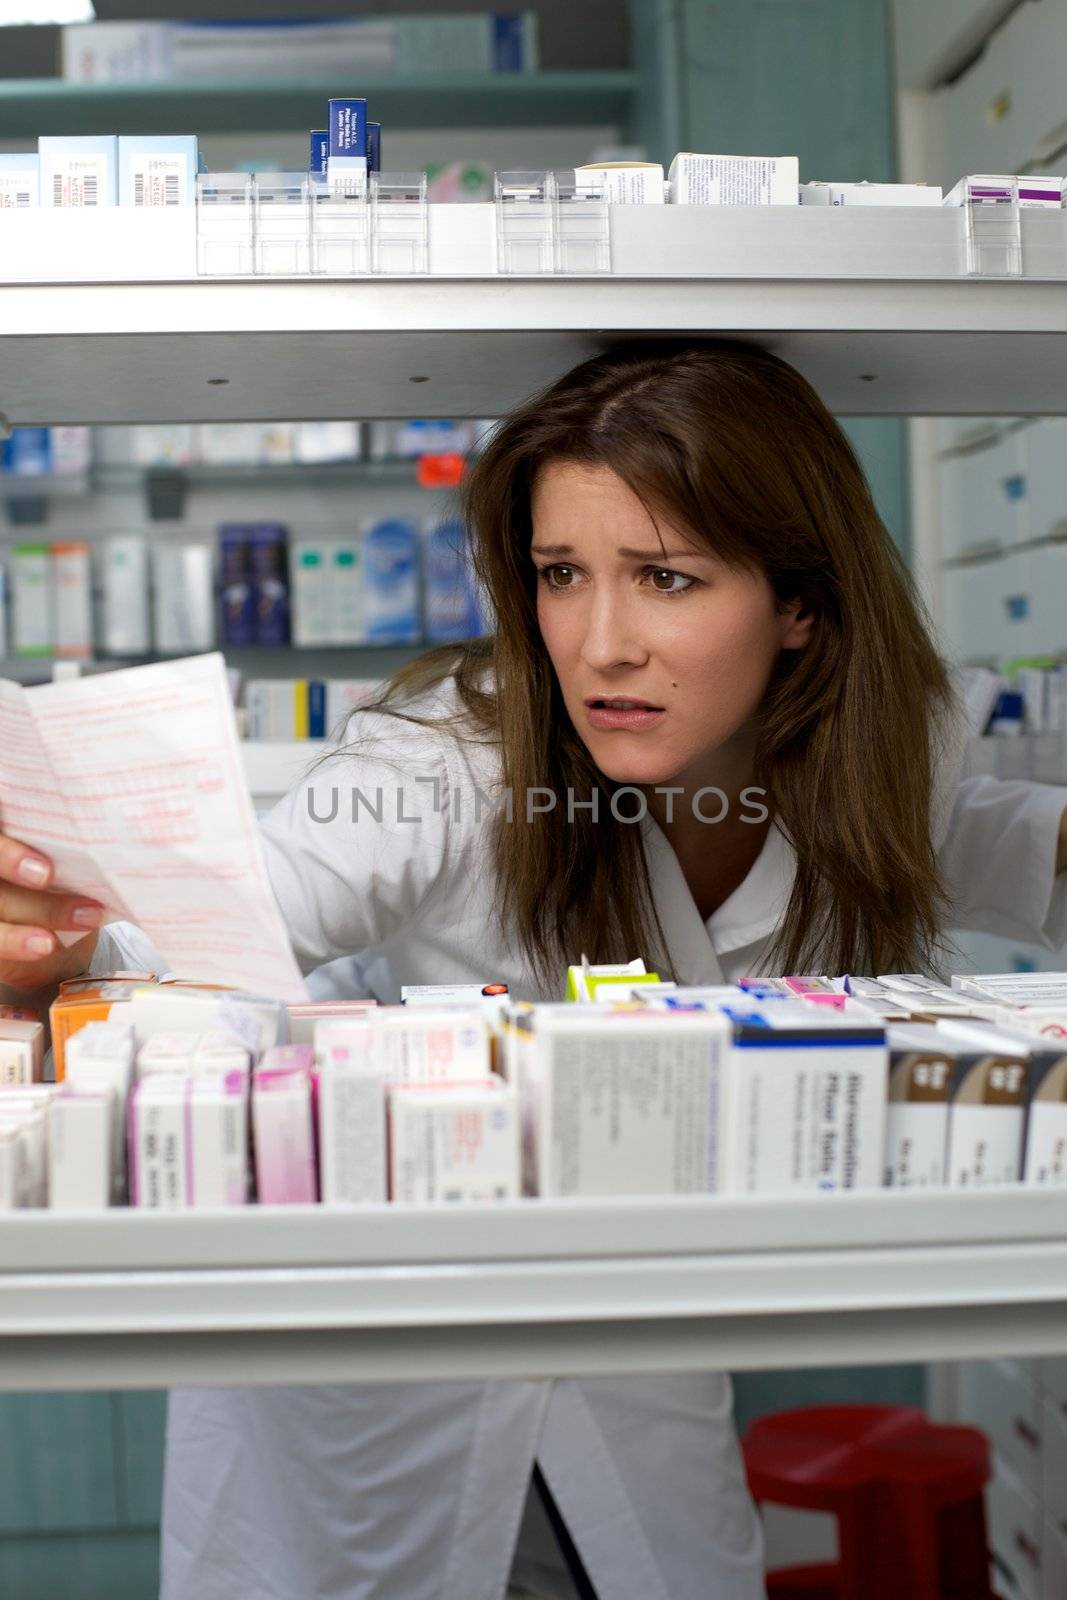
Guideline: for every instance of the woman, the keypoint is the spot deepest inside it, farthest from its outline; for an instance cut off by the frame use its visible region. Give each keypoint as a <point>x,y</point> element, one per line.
<point>730,747</point>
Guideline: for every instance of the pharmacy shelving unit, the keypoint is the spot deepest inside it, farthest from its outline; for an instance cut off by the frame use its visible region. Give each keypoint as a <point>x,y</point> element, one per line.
<point>538,1288</point>
<point>489,100</point>
<point>257,351</point>
<point>533,1288</point>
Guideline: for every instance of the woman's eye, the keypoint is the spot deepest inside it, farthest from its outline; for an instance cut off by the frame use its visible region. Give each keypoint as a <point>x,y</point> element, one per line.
<point>665,581</point>
<point>558,577</point>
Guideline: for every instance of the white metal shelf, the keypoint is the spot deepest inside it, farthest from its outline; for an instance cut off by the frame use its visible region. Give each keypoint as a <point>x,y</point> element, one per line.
<point>534,1288</point>
<point>867,302</point>
<point>237,350</point>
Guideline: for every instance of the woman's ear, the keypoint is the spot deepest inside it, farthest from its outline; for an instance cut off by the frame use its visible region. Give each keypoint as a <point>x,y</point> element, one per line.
<point>795,624</point>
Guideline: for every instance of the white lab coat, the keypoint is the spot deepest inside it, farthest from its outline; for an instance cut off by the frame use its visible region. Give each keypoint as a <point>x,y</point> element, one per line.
<point>415,1492</point>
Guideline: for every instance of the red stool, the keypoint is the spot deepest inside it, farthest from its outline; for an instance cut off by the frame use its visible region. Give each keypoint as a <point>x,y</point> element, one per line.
<point>907,1495</point>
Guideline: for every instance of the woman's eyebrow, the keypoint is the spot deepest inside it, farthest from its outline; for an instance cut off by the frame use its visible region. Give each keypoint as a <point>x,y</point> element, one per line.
<point>633,555</point>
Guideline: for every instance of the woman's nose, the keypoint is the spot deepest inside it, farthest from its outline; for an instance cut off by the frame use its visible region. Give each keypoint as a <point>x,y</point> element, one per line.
<point>612,637</point>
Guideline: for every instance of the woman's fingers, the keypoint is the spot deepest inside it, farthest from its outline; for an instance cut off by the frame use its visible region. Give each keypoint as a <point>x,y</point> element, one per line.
<point>20,864</point>
<point>25,944</point>
<point>33,907</point>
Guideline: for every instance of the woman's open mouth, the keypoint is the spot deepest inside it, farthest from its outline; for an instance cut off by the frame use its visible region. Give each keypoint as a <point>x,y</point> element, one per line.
<point>622,711</point>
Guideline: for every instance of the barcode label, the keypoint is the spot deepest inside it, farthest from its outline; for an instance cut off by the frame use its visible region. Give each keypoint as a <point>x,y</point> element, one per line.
<point>138,189</point>
<point>90,189</point>
<point>22,198</point>
<point>57,190</point>
<point>171,195</point>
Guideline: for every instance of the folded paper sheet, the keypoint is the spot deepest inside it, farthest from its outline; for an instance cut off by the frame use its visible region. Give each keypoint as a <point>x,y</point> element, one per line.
<point>132,782</point>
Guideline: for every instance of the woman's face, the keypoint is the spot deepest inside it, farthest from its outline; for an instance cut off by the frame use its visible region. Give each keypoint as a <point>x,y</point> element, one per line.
<point>662,659</point>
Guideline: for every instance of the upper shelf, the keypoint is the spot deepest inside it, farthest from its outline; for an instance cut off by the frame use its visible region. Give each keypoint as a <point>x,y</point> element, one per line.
<point>292,349</point>
<point>30,107</point>
<point>533,1288</point>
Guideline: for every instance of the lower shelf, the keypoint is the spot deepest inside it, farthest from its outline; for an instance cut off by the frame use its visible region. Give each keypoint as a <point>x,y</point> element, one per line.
<point>531,1289</point>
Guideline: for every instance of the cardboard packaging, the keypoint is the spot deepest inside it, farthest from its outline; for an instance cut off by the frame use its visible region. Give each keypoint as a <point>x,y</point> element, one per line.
<point>805,1107</point>
<point>78,170</point>
<point>99,1060</point>
<point>166,1053</point>
<point>352,1132</point>
<point>357,1058</point>
<point>921,1068</point>
<point>19,182</point>
<point>87,1000</point>
<point>304,1016</point>
<point>72,594</point>
<point>453,1142</point>
<point>989,1094</point>
<point>1045,1133</point>
<point>1034,190</point>
<point>346,159</point>
<point>189,1140</point>
<point>157,169</point>
<point>703,180</point>
<point>21,1052</point>
<point>417,1044</point>
<point>618,1102</point>
<point>81,1127</point>
<point>609,981</point>
<point>31,599</point>
<point>23,1155</point>
<point>870,194</point>
<point>217,1130</point>
<point>124,577</point>
<point>159,1155</point>
<point>283,1127</point>
<point>626,183</point>
<point>256,1021</point>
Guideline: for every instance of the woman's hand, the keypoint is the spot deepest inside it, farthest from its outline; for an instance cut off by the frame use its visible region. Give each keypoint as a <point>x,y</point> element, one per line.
<point>31,957</point>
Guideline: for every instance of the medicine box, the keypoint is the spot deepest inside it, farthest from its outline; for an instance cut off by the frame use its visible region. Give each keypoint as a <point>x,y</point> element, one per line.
<point>78,170</point>
<point>80,1132</point>
<point>618,1102</point>
<point>713,180</point>
<point>989,1094</point>
<point>453,1142</point>
<point>283,1127</point>
<point>805,1104</point>
<point>21,1053</point>
<point>626,183</point>
<point>157,170</point>
<point>19,182</point>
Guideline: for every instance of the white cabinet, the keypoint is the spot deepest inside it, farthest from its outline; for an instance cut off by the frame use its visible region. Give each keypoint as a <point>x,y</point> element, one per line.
<point>1000,1398</point>
<point>1016,1531</point>
<point>988,608</point>
<point>1019,1405</point>
<point>997,116</point>
<point>1044,445</point>
<point>933,40</point>
<point>1054,1562</point>
<point>983,494</point>
<point>1046,625</point>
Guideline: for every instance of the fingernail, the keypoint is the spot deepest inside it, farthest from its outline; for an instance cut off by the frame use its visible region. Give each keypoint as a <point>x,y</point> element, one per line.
<point>86,917</point>
<point>30,870</point>
<point>38,944</point>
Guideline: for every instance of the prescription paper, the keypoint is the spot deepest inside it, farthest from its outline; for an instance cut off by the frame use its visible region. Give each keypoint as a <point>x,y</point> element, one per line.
<point>131,781</point>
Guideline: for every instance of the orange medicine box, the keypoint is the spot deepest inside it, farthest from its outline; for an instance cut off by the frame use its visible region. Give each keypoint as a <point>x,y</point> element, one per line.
<point>92,1000</point>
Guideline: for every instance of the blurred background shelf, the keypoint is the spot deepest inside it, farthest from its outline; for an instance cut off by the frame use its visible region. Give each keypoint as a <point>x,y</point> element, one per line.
<point>29,107</point>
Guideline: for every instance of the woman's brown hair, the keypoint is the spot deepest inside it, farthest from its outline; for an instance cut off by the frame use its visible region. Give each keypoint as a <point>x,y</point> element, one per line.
<point>730,442</point>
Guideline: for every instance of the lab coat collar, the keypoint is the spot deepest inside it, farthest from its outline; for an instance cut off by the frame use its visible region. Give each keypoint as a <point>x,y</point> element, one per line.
<point>752,913</point>
<point>689,947</point>
<point>756,907</point>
